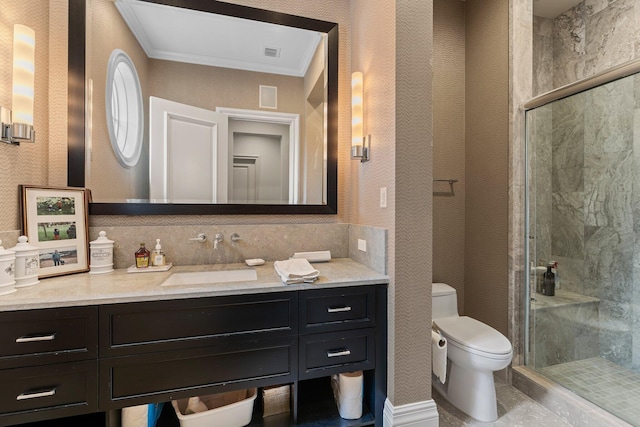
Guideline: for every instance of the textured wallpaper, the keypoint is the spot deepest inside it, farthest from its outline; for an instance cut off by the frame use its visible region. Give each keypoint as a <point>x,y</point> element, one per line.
<point>30,163</point>
<point>487,162</point>
<point>449,144</point>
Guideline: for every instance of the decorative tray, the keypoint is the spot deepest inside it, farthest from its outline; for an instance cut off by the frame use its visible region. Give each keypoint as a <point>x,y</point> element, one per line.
<point>134,269</point>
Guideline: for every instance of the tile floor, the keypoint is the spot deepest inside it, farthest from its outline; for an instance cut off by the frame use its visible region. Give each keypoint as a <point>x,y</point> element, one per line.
<point>610,386</point>
<point>514,409</point>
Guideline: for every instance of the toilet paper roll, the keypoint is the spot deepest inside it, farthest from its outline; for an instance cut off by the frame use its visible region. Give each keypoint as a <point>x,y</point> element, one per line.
<point>350,384</point>
<point>135,416</point>
<point>439,356</point>
<point>348,392</point>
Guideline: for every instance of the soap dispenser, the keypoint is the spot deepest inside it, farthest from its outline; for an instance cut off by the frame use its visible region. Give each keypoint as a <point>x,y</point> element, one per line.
<point>549,282</point>
<point>157,258</point>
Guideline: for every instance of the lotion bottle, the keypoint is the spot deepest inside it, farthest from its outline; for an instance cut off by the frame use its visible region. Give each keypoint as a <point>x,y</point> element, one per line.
<point>157,257</point>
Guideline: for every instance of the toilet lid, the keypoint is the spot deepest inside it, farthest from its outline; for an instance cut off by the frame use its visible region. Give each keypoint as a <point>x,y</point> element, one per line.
<point>468,332</point>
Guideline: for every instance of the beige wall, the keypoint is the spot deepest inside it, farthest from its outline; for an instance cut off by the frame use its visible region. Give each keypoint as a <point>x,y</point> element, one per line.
<point>395,58</point>
<point>449,144</point>
<point>487,162</point>
<point>30,163</point>
<point>107,31</point>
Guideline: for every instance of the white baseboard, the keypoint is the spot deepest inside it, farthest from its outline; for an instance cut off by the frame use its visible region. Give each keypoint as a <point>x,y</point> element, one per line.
<point>418,414</point>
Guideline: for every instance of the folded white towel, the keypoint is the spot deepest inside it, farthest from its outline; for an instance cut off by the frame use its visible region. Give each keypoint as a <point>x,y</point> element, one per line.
<point>296,270</point>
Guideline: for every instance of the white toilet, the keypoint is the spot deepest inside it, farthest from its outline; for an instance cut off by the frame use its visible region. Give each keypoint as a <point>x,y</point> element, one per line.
<point>474,352</point>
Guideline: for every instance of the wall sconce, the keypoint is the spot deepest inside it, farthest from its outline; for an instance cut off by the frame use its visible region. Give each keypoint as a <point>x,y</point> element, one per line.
<point>360,145</point>
<point>18,126</point>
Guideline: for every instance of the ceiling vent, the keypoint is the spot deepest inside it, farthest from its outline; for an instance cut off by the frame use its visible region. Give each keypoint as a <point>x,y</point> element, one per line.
<point>272,52</point>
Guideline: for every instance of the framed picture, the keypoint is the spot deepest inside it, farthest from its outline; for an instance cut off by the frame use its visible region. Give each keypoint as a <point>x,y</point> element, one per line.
<point>55,221</point>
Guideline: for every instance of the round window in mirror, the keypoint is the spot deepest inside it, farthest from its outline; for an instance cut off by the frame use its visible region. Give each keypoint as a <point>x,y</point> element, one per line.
<point>125,112</point>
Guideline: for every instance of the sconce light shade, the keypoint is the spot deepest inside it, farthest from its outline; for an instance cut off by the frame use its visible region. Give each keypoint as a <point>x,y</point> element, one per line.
<point>24,44</point>
<point>358,148</point>
<point>17,125</point>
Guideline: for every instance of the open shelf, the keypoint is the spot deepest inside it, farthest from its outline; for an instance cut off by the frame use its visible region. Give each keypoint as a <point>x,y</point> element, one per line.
<point>316,408</point>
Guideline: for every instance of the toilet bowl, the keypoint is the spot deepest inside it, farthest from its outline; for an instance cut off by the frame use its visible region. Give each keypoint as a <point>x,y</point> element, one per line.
<point>474,352</point>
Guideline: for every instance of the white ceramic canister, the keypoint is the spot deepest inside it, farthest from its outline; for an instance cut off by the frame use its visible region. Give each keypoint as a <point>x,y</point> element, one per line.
<point>27,263</point>
<point>7,271</point>
<point>101,254</point>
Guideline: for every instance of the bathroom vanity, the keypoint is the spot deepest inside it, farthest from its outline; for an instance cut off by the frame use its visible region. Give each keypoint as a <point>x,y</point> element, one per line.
<point>117,340</point>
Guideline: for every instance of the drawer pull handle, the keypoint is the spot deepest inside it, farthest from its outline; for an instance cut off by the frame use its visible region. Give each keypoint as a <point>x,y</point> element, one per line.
<point>35,338</point>
<point>37,394</point>
<point>338,309</point>
<point>338,353</point>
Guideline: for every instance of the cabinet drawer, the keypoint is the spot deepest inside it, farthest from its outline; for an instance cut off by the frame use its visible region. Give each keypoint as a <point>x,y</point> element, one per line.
<point>45,392</point>
<point>39,337</point>
<point>325,354</point>
<point>169,325</point>
<point>130,380</point>
<point>325,310</point>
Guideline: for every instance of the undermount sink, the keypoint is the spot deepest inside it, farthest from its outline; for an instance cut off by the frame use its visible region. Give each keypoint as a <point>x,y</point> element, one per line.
<point>210,277</point>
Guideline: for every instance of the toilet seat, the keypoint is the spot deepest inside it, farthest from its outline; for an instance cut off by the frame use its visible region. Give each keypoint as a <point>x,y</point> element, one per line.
<point>474,336</point>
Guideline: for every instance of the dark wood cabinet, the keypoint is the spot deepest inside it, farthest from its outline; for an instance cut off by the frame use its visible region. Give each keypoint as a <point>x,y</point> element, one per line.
<point>48,364</point>
<point>80,360</point>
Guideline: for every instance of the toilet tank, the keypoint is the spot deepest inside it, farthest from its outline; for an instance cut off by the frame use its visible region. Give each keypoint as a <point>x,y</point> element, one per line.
<point>444,300</point>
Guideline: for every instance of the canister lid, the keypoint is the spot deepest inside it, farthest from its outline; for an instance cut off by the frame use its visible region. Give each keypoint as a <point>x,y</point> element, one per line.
<point>102,238</point>
<point>23,245</point>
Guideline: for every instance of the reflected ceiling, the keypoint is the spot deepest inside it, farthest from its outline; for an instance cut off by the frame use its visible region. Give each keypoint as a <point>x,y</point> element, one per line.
<point>185,35</point>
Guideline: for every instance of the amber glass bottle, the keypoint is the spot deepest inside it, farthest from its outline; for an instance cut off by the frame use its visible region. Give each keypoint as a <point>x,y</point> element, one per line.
<point>142,257</point>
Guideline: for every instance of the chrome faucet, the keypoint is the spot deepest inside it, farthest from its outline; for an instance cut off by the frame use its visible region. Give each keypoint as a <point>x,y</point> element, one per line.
<point>201,237</point>
<point>235,237</point>
<point>219,238</point>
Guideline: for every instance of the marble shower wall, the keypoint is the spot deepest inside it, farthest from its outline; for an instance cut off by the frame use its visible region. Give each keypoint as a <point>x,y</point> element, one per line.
<point>588,216</point>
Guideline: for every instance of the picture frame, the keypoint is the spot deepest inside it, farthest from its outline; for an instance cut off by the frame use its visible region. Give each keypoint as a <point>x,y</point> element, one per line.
<point>55,219</point>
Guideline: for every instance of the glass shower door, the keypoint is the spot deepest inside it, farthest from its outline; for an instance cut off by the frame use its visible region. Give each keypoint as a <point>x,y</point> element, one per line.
<point>583,195</point>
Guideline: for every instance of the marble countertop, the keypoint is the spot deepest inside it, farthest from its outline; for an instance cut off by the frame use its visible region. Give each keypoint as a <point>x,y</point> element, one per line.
<point>120,287</point>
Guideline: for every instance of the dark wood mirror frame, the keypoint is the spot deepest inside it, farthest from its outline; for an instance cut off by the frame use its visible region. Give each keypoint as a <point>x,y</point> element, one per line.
<point>76,111</point>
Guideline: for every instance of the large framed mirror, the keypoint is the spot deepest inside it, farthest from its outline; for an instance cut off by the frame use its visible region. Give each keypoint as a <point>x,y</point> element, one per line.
<point>299,104</point>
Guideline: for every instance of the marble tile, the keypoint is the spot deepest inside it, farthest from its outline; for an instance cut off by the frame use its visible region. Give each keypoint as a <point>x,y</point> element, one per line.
<point>609,38</point>
<point>569,33</point>
<point>615,332</point>
<point>568,139</point>
<point>571,272</point>
<point>564,329</point>
<point>271,242</point>
<point>609,261</point>
<point>567,225</point>
<point>514,409</point>
<point>608,120</point>
<point>376,240</point>
<point>543,55</point>
<point>561,401</point>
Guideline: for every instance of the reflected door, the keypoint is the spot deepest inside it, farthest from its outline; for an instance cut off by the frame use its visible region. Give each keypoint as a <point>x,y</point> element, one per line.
<point>188,148</point>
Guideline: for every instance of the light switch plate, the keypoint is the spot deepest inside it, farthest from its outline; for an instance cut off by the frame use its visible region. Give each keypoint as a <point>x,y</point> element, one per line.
<point>362,245</point>
<point>383,197</point>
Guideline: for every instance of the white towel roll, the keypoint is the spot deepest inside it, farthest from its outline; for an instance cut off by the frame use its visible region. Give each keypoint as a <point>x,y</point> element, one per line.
<point>439,356</point>
<point>135,416</point>
<point>348,393</point>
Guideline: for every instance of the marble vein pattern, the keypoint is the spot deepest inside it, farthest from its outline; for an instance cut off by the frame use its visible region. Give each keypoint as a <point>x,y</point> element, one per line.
<point>593,229</point>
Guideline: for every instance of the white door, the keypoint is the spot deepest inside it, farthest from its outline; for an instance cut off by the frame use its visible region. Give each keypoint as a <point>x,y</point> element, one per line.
<point>245,187</point>
<point>188,153</point>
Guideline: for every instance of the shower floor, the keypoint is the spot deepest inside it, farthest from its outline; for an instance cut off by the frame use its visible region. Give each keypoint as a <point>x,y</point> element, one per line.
<point>610,386</point>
